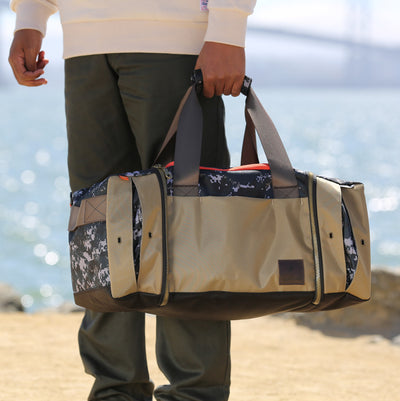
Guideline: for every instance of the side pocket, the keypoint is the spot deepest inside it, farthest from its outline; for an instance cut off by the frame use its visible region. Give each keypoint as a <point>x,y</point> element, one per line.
<point>354,200</point>
<point>119,218</point>
<point>350,248</point>
<point>152,278</point>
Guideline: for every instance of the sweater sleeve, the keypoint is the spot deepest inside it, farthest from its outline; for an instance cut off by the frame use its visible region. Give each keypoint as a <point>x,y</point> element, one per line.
<point>33,14</point>
<point>227,21</point>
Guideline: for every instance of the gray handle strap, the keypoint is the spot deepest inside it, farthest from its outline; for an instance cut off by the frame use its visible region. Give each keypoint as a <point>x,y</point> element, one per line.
<point>284,180</point>
<point>189,127</point>
<point>249,146</point>
<point>188,147</point>
<point>174,125</point>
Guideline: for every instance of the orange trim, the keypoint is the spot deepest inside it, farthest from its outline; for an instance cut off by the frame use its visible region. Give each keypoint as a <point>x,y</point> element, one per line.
<point>123,177</point>
<point>259,166</point>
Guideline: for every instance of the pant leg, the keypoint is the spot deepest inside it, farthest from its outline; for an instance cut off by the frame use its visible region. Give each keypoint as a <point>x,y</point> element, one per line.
<point>195,358</point>
<point>112,347</point>
<point>100,143</point>
<point>100,140</point>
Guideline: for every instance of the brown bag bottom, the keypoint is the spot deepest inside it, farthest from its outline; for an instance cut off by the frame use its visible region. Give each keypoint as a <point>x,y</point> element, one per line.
<point>213,305</point>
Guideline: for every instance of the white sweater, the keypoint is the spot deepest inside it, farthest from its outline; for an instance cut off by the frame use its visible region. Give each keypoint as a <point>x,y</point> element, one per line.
<point>151,26</point>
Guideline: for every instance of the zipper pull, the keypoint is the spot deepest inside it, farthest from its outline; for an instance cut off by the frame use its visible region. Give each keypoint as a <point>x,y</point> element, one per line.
<point>167,174</point>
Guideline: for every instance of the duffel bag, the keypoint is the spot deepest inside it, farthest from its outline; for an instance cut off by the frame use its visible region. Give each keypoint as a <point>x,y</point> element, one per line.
<point>200,243</point>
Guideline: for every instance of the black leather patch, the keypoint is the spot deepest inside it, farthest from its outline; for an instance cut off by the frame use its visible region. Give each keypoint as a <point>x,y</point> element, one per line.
<point>291,272</point>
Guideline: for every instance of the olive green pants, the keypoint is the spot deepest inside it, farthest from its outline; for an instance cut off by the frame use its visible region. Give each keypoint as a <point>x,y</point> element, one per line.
<point>119,108</point>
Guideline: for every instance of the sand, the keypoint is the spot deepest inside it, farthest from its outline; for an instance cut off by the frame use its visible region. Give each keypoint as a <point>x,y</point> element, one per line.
<point>272,358</point>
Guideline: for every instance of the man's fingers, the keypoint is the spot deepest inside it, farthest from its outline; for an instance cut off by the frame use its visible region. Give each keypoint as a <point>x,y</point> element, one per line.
<point>37,82</point>
<point>209,87</point>
<point>228,88</point>
<point>32,78</point>
<point>28,78</point>
<point>208,90</point>
<point>29,75</point>
<point>217,87</point>
<point>30,59</point>
<point>214,85</point>
<point>42,63</point>
<point>21,71</point>
<point>237,87</point>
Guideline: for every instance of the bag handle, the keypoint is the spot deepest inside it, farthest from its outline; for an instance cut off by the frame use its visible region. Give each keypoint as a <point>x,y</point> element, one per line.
<point>249,145</point>
<point>188,123</point>
<point>284,180</point>
<point>197,81</point>
<point>188,148</point>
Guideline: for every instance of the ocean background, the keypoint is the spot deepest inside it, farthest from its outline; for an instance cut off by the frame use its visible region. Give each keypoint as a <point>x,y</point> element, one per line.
<point>348,133</point>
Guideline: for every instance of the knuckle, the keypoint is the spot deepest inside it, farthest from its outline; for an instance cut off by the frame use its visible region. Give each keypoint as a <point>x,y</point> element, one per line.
<point>208,93</point>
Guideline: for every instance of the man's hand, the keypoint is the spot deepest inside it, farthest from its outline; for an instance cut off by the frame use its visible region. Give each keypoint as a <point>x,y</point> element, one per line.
<point>26,59</point>
<point>223,68</point>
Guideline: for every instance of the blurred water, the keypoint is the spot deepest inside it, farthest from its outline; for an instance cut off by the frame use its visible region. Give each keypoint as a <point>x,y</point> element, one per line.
<point>345,133</point>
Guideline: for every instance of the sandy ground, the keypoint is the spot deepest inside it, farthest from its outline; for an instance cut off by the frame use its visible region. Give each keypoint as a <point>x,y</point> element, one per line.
<point>273,359</point>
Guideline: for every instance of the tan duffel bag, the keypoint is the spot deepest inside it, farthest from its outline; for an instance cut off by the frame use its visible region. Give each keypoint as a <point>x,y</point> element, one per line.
<point>201,243</point>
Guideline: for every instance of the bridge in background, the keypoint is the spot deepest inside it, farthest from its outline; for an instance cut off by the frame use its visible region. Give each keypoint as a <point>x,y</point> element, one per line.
<point>365,62</point>
<point>381,49</point>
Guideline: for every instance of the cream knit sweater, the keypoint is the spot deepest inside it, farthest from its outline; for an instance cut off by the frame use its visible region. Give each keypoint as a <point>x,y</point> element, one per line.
<point>155,26</point>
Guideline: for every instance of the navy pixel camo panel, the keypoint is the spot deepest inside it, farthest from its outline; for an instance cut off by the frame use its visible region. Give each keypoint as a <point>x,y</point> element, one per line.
<point>89,257</point>
<point>249,183</point>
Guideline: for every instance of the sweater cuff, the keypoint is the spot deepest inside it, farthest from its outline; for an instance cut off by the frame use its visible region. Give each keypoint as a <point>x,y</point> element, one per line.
<point>33,15</point>
<point>226,26</point>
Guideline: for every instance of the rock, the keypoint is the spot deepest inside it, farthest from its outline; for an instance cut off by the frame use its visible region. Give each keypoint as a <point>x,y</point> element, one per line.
<point>10,300</point>
<point>380,315</point>
<point>396,340</point>
<point>376,339</point>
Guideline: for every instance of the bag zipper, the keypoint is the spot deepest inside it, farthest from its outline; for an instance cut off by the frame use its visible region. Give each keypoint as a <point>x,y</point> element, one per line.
<point>161,174</point>
<point>251,167</point>
<point>315,238</point>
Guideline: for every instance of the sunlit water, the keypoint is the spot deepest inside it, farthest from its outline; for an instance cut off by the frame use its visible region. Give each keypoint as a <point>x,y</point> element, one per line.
<point>345,133</point>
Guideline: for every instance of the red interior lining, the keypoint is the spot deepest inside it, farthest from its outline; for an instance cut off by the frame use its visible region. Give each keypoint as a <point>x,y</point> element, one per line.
<point>259,166</point>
